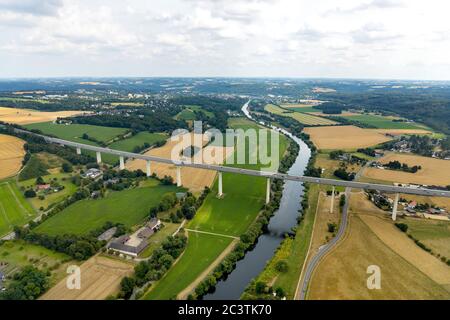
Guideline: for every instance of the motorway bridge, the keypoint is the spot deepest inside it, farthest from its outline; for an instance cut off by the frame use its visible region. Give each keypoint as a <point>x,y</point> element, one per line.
<point>220,169</point>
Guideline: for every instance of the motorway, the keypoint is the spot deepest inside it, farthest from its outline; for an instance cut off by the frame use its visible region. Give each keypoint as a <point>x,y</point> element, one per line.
<point>262,173</point>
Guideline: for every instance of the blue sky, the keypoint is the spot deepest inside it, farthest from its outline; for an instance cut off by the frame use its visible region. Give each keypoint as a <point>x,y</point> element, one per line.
<point>407,39</point>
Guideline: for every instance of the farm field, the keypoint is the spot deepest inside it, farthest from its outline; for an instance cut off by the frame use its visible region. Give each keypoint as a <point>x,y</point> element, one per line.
<point>11,155</point>
<point>18,254</point>
<point>26,116</point>
<point>128,207</point>
<point>396,132</point>
<point>138,140</point>
<point>62,178</point>
<point>101,278</point>
<point>382,122</point>
<point>188,113</point>
<point>303,118</point>
<point>14,209</point>
<point>433,172</point>
<point>344,137</point>
<point>201,251</point>
<point>342,274</point>
<point>434,234</point>
<point>243,198</point>
<point>74,132</point>
<point>299,107</point>
<point>194,179</point>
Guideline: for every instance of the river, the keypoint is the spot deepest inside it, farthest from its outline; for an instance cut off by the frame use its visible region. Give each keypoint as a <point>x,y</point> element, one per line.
<point>284,219</point>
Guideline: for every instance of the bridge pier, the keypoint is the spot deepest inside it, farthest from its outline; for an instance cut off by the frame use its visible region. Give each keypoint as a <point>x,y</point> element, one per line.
<point>78,150</point>
<point>99,157</point>
<point>122,163</point>
<point>394,207</point>
<point>268,191</point>
<point>332,200</point>
<point>220,185</point>
<point>149,172</point>
<point>179,177</point>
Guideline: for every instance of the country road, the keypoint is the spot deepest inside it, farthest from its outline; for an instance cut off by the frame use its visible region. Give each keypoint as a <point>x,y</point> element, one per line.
<point>303,285</point>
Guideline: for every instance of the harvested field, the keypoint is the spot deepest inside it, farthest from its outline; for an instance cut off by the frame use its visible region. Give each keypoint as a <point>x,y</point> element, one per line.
<point>11,155</point>
<point>342,274</point>
<point>100,278</point>
<point>192,178</point>
<point>433,172</point>
<point>397,241</point>
<point>322,90</point>
<point>344,137</point>
<point>300,117</point>
<point>25,116</point>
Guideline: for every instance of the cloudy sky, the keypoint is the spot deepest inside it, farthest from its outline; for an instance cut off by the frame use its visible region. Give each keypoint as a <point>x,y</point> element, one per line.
<point>401,39</point>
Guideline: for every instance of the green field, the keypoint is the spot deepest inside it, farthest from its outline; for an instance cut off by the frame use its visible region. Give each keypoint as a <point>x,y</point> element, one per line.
<point>137,141</point>
<point>156,239</point>
<point>129,207</point>
<point>63,179</point>
<point>188,113</point>
<point>74,132</point>
<point>381,122</point>
<point>305,109</point>
<point>201,251</point>
<point>434,234</point>
<point>243,199</point>
<point>14,209</point>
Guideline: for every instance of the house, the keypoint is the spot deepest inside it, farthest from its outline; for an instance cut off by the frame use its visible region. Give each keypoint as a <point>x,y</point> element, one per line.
<point>43,187</point>
<point>410,210</point>
<point>434,211</point>
<point>93,173</point>
<point>108,234</point>
<point>412,204</point>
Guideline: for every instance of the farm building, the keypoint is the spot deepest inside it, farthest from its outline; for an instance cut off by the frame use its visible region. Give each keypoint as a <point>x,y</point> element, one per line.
<point>93,173</point>
<point>135,243</point>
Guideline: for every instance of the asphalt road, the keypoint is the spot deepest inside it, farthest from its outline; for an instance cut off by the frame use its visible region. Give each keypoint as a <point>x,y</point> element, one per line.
<point>301,295</point>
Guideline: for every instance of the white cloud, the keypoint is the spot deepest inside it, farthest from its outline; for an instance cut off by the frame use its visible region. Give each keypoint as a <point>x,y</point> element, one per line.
<point>352,38</point>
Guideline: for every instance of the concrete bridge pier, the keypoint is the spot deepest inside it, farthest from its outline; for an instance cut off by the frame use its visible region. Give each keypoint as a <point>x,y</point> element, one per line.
<point>394,207</point>
<point>220,185</point>
<point>149,172</point>
<point>179,177</point>
<point>332,200</point>
<point>122,163</point>
<point>99,157</point>
<point>268,191</point>
<point>78,150</point>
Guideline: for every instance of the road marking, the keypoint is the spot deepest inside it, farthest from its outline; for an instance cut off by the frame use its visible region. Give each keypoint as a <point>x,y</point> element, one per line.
<point>214,234</point>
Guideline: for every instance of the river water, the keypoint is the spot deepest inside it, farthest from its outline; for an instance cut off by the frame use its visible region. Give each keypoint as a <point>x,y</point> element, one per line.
<point>284,219</point>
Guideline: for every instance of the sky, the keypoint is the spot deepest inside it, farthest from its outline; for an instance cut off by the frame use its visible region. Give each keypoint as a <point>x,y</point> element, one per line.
<point>383,39</point>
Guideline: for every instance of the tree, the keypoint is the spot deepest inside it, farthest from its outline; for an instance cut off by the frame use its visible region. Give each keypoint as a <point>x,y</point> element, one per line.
<point>260,287</point>
<point>67,167</point>
<point>402,226</point>
<point>126,286</point>
<point>29,193</point>
<point>40,181</point>
<point>331,227</point>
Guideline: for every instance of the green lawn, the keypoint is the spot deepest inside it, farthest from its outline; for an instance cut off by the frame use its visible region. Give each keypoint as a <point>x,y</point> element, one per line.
<point>381,122</point>
<point>156,239</point>
<point>305,109</point>
<point>14,209</point>
<point>63,179</point>
<point>128,207</point>
<point>231,215</point>
<point>435,234</point>
<point>188,113</point>
<point>137,141</point>
<point>201,251</point>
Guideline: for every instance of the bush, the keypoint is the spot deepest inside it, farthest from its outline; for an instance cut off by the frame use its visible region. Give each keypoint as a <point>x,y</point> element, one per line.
<point>402,226</point>
<point>331,227</point>
<point>281,266</point>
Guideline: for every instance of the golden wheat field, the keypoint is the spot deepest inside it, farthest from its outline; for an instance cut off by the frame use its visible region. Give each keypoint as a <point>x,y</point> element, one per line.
<point>433,172</point>
<point>11,155</point>
<point>25,116</point>
<point>344,137</point>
